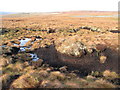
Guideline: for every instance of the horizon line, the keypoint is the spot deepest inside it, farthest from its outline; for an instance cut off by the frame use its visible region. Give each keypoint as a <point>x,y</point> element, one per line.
<point>58,11</point>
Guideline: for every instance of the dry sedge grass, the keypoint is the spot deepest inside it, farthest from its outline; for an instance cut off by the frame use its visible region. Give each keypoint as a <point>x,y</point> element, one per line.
<point>61,21</point>
<point>31,77</point>
<point>25,81</point>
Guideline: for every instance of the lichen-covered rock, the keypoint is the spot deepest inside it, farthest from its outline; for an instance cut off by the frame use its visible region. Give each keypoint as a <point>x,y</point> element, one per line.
<point>72,47</point>
<point>90,78</point>
<point>103,59</point>
<point>63,69</point>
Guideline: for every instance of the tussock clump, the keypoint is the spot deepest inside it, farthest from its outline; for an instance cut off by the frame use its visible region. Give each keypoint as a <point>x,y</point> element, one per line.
<point>26,81</point>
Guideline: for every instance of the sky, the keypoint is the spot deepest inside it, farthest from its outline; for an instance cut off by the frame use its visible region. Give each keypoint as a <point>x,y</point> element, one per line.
<point>57,5</point>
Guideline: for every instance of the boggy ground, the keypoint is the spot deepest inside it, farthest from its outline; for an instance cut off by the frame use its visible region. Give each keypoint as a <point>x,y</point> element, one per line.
<point>72,52</point>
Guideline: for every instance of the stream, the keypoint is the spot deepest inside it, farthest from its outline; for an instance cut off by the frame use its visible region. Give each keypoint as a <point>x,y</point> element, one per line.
<point>23,48</point>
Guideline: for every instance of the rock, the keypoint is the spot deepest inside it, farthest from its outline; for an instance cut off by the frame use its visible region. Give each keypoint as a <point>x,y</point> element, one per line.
<point>56,73</point>
<point>63,69</point>
<point>103,59</point>
<point>89,50</point>
<point>91,78</point>
<point>73,48</point>
<point>49,69</point>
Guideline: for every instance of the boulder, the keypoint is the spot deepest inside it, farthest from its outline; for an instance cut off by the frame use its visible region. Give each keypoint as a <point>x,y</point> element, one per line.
<point>72,47</point>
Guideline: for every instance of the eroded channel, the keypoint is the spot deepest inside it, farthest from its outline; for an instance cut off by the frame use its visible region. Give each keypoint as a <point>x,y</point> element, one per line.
<point>84,64</point>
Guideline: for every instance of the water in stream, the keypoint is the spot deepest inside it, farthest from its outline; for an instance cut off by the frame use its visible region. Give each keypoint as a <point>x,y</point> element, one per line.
<point>23,48</point>
<point>24,41</point>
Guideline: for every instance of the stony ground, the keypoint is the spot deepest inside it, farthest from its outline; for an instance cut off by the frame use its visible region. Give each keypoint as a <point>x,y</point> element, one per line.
<point>72,52</point>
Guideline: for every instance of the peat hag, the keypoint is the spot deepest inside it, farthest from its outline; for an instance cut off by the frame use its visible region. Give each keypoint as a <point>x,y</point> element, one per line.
<point>85,64</point>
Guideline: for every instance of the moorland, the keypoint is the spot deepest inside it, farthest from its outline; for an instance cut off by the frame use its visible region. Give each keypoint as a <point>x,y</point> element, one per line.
<point>76,49</point>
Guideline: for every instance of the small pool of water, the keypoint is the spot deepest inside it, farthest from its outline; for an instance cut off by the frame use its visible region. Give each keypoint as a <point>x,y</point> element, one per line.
<point>3,46</point>
<point>15,44</point>
<point>34,56</point>
<point>23,49</point>
<point>24,41</point>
